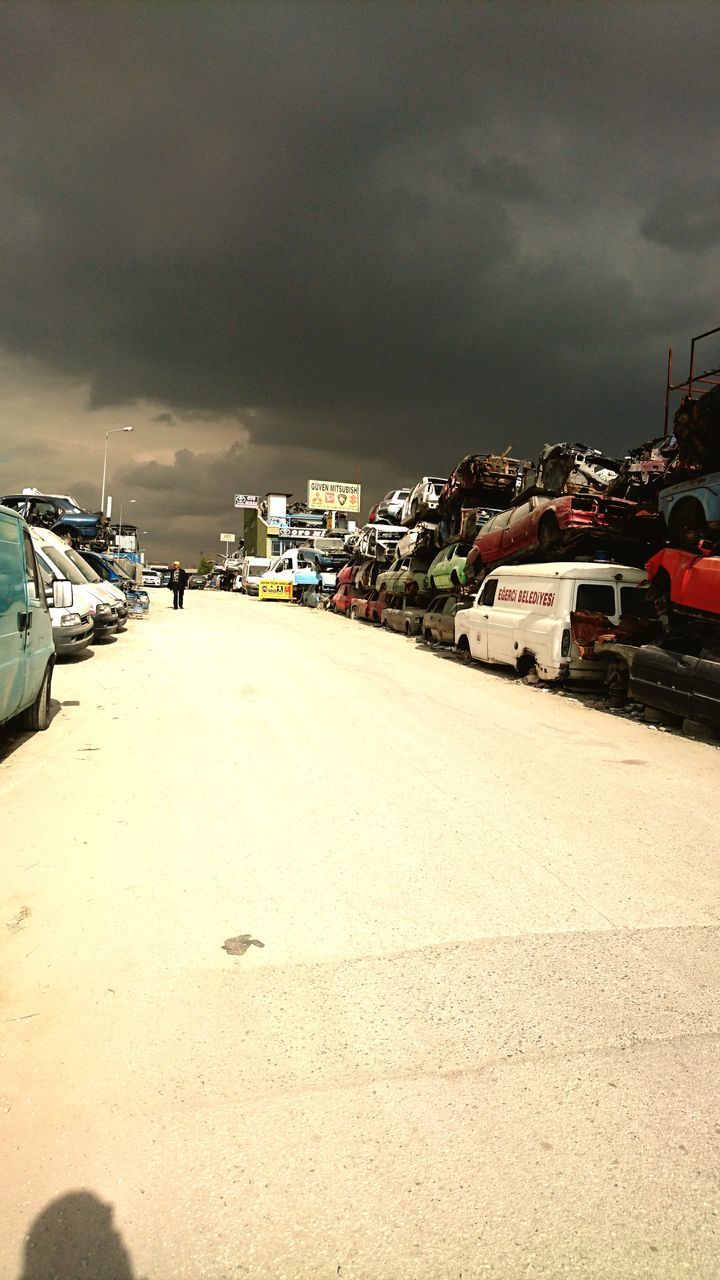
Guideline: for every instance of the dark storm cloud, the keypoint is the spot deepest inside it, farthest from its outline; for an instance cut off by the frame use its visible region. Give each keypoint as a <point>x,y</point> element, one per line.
<point>394,230</point>
<point>688,217</point>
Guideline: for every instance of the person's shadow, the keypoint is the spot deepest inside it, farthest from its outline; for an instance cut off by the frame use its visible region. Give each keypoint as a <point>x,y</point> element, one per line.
<point>75,1236</point>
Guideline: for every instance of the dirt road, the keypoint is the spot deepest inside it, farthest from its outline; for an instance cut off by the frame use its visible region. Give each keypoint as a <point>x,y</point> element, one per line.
<point>480,1036</point>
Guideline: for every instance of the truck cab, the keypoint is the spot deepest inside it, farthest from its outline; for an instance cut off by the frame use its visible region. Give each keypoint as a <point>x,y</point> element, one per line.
<point>27,652</point>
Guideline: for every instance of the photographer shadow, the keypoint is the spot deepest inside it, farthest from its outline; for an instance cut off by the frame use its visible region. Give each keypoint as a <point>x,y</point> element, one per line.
<point>75,1236</point>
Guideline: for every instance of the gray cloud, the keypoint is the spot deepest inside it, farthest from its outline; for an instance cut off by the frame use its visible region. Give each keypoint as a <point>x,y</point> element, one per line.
<point>688,217</point>
<point>383,234</point>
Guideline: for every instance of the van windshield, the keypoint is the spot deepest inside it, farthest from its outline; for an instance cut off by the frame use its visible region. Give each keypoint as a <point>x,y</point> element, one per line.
<point>86,570</point>
<point>65,568</point>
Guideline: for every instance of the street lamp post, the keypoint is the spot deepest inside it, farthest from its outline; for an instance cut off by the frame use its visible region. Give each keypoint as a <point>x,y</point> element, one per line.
<point>113,431</point>
<point>122,504</point>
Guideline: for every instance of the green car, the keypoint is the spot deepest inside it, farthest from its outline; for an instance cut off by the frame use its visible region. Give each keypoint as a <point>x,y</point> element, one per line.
<point>404,577</point>
<point>448,568</point>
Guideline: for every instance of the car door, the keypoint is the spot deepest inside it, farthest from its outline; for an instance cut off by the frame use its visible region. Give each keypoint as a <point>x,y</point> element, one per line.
<point>662,675</point>
<point>705,695</point>
<point>13,612</point>
<point>481,626</point>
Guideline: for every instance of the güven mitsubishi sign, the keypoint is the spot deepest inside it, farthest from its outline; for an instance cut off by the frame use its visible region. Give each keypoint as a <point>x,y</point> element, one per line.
<point>331,495</point>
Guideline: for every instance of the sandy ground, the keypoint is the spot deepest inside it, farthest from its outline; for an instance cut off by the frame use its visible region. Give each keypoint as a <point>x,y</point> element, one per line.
<point>481,1035</point>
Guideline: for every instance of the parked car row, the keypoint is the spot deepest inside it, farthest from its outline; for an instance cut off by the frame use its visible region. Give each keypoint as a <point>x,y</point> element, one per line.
<point>54,601</point>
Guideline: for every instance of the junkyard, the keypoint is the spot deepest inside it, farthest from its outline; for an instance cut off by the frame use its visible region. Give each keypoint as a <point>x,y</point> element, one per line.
<point>477,1031</point>
<point>332,951</point>
<point>359,640</point>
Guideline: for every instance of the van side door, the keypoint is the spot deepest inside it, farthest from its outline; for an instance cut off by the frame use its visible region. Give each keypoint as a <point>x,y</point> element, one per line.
<point>38,646</point>
<point>482,621</point>
<point>13,618</point>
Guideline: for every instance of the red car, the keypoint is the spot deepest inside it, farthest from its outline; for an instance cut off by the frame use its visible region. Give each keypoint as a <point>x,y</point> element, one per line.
<point>691,581</point>
<point>344,597</point>
<point>346,574</point>
<point>551,526</point>
<point>369,609</point>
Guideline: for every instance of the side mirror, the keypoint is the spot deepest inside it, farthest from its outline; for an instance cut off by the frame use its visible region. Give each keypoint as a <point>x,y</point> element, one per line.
<point>62,593</point>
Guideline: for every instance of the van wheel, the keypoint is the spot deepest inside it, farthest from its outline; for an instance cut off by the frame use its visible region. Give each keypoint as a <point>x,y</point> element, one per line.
<point>38,715</point>
<point>525,666</point>
<point>463,648</point>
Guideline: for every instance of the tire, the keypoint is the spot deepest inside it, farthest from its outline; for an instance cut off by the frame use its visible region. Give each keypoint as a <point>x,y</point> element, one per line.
<point>454,580</point>
<point>408,630</point>
<point>353,612</point>
<point>463,649</point>
<point>548,532</point>
<point>686,518</point>
<point>427,635</point>
<point>37,717</point>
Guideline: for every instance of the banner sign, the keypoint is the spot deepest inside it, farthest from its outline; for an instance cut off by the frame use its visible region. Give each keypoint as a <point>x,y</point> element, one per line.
<point>330,495</point>
<point>271,589</point>
<point>246,501</point>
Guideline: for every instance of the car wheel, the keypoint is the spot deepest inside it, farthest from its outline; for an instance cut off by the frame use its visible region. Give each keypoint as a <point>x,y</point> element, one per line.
<point>353,612</point>
<point>463,649</point>
<point>427,635</point>
<point>548,532</point>
<point>687,519</point>
<point>454,580</point>
<point>38,715</point>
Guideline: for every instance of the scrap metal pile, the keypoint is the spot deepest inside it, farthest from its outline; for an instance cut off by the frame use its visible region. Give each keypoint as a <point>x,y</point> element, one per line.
<point>426,551</point>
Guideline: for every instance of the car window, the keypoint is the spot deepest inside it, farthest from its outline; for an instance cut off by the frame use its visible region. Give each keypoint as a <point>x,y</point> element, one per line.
<point>487,595</point>
<point>504,518</point>
<point>31,570</point>
<point>634,600</point>
<point>11,590</point>
<point>690,642</point>
<point>598,597</point>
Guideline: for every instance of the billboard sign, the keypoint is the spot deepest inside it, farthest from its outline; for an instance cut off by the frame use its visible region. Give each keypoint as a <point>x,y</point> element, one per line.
<point>331,495</point>
<point>246,501</point>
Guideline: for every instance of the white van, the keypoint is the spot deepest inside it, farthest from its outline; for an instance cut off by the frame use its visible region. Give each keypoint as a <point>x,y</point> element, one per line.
<point>253,569</point>
<point>520,617</point>
<point>107,591</point>
<point>85,598</point>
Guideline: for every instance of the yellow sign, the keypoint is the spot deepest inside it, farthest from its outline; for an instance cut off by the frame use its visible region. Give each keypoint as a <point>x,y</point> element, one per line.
<point>330,495</point>
<point>271,589</point>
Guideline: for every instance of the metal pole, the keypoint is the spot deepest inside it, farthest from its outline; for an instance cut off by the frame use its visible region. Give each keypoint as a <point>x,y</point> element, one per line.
<point>667,390</point>
<point>102,498</point>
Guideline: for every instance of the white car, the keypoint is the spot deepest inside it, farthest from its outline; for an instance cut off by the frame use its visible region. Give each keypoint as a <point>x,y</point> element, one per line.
<point>378,541</point>
<point>392,504</point>
<point>424,497</point>
<point>151,578</point>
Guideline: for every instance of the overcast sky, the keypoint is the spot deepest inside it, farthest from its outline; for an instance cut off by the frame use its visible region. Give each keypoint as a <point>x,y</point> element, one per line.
<point>343,241</point>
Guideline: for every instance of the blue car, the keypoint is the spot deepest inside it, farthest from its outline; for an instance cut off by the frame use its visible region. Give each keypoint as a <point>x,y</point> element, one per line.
<point>61,515</point>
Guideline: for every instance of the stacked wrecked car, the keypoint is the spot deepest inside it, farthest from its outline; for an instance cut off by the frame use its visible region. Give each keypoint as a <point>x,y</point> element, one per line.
<point>581,567</point>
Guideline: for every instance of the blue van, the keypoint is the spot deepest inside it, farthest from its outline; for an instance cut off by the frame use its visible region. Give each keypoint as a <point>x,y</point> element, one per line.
<point>27,652</point>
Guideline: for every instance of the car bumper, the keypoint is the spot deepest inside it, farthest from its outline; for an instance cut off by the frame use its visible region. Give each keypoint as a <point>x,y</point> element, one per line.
<point>103,627</point>
<point>71,639</point>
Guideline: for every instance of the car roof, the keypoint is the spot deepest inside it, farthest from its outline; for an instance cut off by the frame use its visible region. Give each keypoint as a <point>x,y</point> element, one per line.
<point>569,569</point>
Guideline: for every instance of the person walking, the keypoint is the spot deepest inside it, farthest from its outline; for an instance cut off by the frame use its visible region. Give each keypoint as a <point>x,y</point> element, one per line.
<point>177,584</point>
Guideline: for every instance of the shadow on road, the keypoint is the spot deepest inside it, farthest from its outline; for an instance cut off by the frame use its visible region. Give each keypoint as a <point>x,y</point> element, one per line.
<point>75,1236</point>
